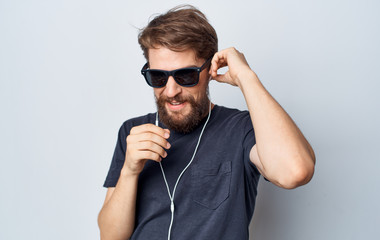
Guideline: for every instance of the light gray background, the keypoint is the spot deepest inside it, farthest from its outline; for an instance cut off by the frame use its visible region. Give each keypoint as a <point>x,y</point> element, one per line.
<point>69,74</point>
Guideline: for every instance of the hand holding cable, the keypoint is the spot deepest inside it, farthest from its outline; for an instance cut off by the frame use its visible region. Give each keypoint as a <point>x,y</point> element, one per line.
<point>145,142</point>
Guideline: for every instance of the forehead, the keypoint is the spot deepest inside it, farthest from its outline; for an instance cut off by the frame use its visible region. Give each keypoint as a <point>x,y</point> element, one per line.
<point>166,59</point>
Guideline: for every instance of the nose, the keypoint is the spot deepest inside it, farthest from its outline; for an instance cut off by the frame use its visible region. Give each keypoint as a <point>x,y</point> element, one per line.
<point>172,88</point>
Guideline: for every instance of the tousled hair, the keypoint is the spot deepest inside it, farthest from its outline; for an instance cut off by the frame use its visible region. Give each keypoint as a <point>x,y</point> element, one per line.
<point>181,28</point>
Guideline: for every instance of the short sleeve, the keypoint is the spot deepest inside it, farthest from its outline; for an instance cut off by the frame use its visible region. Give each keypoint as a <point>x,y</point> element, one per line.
<point>252,175</point>
<point>248,142</point>
<point>118,158</point>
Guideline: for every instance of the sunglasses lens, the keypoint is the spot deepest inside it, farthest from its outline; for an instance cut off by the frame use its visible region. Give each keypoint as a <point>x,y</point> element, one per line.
<point>156,78</point>
<point>186,77</point>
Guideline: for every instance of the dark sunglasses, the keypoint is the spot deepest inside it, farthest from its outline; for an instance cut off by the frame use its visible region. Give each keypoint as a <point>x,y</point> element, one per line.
<point>186,77</point>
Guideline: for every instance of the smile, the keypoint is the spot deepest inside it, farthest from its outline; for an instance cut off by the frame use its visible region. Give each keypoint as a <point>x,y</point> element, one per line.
<point>175,106</point>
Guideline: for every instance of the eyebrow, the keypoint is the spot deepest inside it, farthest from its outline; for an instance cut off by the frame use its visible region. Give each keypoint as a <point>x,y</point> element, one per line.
<point>192,66</point>
<point>189,66</point>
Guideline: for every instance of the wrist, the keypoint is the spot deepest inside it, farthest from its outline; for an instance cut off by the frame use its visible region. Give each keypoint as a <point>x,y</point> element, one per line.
<point>127,173</point>
<point>245,77</point>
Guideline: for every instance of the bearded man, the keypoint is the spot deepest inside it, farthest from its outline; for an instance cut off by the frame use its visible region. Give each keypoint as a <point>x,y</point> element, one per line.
<point>191,170</point>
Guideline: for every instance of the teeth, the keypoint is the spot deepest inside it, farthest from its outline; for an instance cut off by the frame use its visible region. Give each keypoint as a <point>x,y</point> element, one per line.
<point>175,103</point>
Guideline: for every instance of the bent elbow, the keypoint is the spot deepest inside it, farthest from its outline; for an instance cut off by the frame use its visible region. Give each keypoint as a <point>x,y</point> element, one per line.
<point>299,176</point>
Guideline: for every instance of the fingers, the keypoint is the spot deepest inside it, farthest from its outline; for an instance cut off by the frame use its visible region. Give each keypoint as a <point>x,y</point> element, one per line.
<point>165,133</point>
<point>221,59</point>
<point>220,78</point>
<point>148,141</point>
<point>153,147</point>
<point>145,142</point>
<point>149,155</point>
<point>217,62</point>
<point>149,133</point>
<point>236,63</point>
<point>149,137</point>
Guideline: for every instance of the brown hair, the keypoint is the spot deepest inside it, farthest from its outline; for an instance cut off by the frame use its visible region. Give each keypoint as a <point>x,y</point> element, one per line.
<point>181,28</point>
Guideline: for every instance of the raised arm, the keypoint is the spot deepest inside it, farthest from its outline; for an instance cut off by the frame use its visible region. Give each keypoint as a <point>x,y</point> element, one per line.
<point>281,154</point>
<point>116,219</point>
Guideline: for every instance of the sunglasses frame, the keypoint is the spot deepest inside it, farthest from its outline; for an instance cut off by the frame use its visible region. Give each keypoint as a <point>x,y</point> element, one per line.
<point>145,71</point>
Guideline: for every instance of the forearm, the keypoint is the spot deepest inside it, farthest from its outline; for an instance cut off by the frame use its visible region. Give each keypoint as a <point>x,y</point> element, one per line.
<point>285,155</point>
<point>117,218</point>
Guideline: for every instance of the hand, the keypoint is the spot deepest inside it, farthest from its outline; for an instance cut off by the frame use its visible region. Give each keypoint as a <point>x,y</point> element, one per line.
<point>145,142</point>
<point>237,66</point>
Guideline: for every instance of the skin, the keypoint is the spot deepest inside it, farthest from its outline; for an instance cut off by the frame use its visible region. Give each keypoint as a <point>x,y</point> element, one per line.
<point>281,154</point>
<point>165,59</point>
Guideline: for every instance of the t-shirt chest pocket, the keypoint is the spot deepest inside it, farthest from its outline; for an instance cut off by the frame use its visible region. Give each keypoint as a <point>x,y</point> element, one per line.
<point>211,184</point>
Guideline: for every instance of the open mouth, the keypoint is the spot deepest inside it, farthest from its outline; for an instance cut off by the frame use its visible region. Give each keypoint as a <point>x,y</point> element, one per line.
<point>175,106</point>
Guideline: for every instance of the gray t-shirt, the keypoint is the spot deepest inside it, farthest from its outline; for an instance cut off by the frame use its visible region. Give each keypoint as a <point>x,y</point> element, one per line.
<point>215,197</point>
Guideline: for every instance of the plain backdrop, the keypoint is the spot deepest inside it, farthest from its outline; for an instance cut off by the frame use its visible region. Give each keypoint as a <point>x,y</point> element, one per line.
<point>70,75</point>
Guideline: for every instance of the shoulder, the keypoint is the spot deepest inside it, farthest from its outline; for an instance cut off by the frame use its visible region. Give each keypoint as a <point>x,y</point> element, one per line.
<point>232,115</point>
<point>230,112</point>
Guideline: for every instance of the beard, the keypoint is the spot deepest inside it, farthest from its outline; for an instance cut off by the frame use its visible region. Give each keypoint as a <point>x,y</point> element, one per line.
<point>179,122</point>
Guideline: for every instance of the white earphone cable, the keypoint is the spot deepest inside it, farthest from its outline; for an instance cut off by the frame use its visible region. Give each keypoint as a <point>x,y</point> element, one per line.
<point>183,171</point>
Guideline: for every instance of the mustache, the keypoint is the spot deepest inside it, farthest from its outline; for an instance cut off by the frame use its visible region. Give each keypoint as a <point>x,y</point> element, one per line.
<point>176,98</point>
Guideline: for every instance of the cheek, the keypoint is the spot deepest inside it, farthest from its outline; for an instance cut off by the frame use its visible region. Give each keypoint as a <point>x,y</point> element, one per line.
<point>204,80</point>
<point>203,83</point>
<point>205,75</point>
<point>198,91</point>
<point>157,92</point>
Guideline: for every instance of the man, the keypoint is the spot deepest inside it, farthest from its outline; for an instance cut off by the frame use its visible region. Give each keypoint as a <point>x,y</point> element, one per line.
<point>191,170</point>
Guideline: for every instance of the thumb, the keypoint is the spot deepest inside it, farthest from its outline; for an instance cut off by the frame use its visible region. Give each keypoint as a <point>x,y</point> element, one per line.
<point>219,78</point>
